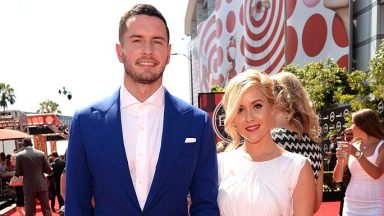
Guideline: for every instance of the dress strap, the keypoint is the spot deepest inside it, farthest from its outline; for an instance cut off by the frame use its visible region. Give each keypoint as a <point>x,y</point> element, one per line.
<point>378,146</point>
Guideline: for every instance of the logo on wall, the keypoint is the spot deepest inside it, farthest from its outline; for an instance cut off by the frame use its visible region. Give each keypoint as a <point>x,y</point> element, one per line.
<point>380,107</point>
<point>218,123</point>
<point>333,119</point>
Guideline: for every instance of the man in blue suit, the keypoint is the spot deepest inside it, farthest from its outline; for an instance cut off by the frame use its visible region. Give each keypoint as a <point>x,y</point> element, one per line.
<point>142,150</point>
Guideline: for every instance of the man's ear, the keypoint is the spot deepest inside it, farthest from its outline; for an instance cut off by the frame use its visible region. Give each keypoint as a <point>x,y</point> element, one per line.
<point>169,53</point>
<point>119,52</point>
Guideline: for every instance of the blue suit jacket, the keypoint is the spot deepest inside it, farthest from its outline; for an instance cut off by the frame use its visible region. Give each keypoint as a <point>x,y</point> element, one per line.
<point>97,163</point>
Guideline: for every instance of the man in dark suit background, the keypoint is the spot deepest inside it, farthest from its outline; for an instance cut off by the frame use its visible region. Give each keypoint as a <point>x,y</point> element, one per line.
<point>58,166</point>
<point>32,164</point>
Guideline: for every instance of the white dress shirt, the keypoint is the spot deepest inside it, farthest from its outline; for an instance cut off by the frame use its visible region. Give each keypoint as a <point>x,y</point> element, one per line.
<point>142,126</point>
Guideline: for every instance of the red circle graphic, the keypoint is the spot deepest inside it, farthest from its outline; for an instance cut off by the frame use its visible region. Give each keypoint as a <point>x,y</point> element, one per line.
<point>291,44</point>
<point>231,21</point>
<point>314,35</point>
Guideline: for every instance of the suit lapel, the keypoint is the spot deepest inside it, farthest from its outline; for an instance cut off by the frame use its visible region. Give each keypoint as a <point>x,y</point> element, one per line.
<point>176,123</point>
<point>113,146</point>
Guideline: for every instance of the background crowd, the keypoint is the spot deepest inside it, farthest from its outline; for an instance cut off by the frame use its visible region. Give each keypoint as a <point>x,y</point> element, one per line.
<point>34,176</point>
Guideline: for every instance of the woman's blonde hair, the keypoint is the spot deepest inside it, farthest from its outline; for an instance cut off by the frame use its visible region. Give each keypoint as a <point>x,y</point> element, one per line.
<point>293,100</point>
<point>234,92</point>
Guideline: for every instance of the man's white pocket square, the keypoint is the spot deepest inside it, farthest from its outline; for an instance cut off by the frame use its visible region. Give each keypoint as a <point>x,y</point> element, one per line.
<point>190,140</point>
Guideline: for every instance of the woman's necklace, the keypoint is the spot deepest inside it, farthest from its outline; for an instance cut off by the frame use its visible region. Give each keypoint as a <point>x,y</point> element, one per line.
<point>363,147</point>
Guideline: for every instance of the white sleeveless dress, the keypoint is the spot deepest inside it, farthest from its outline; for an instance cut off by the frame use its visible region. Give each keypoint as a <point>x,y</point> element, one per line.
<point>364,195</point>
<point>257,188</point>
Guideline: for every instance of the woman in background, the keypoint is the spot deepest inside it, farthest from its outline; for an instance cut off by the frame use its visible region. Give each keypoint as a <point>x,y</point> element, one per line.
<point>17,183</point>
<point>297,126</point>
<point>347,136</point>
<point>259,177</point>
<point>365,160</point>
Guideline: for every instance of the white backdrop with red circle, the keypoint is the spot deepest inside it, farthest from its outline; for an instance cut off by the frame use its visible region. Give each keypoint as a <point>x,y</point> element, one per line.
<point>265,35</point>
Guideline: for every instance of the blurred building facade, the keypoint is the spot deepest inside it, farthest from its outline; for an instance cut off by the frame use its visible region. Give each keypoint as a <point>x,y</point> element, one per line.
<point>47,128</point>
<point>230,36</point>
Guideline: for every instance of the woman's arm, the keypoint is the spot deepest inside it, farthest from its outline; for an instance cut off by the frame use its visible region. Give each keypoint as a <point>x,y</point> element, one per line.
<point>375,170</point>
<point>319,190</point>
<point>62,185</point>
<point>304,193</point>
<point>341,164</point>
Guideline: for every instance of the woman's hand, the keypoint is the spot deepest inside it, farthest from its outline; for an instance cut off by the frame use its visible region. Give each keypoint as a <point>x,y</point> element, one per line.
<point>342,155</point>
<point>342,152</point>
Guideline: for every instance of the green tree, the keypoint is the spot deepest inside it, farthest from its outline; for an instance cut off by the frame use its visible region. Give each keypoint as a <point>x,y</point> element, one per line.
<point>359,96</point>
<point>217,88</point>
<point>330,86</point>
<point>7,95</point>
<point>376,73</point>
<point>49,106</point>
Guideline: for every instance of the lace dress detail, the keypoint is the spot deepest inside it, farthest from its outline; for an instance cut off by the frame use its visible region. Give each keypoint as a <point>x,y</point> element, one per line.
<point>288,140</point>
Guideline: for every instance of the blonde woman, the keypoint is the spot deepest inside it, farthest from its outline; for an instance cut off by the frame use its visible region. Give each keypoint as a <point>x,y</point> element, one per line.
<point>297,125</point>
<point>259,177</point>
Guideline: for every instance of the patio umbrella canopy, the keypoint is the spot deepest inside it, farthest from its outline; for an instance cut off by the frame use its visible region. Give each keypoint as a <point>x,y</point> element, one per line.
<point>8,134</point>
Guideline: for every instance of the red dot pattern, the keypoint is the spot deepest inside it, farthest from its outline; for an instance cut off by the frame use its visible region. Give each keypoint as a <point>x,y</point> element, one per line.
<point>343,61</point>
<point>338,32</point>
<point>241,15</point>
<point>231,20</point>
<point>219,57</point>
<point>217,5</point>
<point>310,33</point>
<point>242,45</point>
<point>219,28</point>
<point>314,35</point>
<point>290,8</point>
<point>292,43</point>
<point>311,3</point>
<point>264,35</point>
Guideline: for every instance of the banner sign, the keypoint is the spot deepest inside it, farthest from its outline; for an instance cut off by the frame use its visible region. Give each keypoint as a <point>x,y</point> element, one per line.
<point>211,103</point>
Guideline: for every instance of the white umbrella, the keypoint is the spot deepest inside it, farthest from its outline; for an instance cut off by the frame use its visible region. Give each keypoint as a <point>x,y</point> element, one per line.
<point>8,134</point>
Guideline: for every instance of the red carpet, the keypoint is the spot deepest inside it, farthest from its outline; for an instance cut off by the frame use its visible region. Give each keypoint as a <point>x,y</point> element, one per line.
<point>326,209</point>
<point>329,209</point>
<point>38,210</point>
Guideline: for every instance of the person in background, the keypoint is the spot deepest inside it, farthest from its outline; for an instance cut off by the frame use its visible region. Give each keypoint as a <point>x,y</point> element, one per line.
<point>8,164</point>
<point>332,152</point>
<point>18,186</point>
<point>62,192</point>
<point>161,148</point>
<point>2,163</point>
<point>32,164</point>
<point>297,126</point>
<point>365,160</point>
<point>62,180</point>
<point>51,183</point>
<point>58,166</point>
<point>259,177</point>
<point>347,136</point>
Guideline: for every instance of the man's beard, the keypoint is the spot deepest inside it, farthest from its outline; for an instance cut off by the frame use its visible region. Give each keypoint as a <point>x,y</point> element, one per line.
<point>144,77</point>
